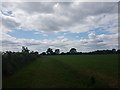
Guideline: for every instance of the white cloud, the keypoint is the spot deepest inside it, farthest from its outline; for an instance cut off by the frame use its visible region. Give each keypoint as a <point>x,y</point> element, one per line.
<point>80,17</point>
<point>61,17</point>
<point>99,42</point>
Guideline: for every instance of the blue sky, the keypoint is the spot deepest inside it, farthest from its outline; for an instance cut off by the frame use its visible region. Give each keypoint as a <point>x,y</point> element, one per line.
<point>7,13</point>
<point>32,35</point>
<point>85,26</point>
<point>41,35</point>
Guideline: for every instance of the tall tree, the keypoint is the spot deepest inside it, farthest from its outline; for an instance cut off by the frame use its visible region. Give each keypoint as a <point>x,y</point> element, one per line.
<point>73,50</point>
<point>25,49</point>
<point>49,51</point>
<point>113,50</point>
<point>57,51</point>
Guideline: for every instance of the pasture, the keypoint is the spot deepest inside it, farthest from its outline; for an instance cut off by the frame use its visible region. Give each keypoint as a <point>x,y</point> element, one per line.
<point>67,71</point>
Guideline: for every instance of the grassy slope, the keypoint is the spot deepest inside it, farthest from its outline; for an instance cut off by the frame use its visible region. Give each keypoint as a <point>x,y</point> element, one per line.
<point>65,71</point>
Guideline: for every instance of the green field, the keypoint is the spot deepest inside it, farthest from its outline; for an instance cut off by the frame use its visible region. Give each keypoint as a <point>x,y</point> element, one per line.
<point>67,71</point>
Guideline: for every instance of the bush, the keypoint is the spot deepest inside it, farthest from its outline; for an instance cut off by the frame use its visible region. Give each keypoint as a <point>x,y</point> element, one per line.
<point>12,61</point>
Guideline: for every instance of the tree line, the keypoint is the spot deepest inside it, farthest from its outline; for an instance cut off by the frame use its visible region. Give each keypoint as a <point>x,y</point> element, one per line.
<point>13,61</point>
<point>73,51</point>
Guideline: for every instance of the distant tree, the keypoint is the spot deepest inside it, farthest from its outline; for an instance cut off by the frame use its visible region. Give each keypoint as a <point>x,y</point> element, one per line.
<point>9,53</point>
<point>62,53</point>
<point>118,51</point>
<point>73,50</point>
<point>57,51</point>
<point>68,53</point>
<point>113,50</point>
<point>34,52</point>
<point>25,49</point>
<point>49,51</point>
<point>43,53</point>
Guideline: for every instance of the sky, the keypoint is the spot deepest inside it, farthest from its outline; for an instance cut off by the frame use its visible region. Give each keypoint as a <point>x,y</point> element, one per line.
<point>86,26</point>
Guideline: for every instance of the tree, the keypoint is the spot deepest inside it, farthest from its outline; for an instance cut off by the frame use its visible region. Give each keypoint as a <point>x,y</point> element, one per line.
<point>13,61</point>
<point>62,53</point>
<point>73,50</point>
<point>25,49</point>
<point>43,53</point>
<point>118,51</point>
<point>113,50</point>
<point>34,52</point>
<point>57,51</point>
<point>49,51</point>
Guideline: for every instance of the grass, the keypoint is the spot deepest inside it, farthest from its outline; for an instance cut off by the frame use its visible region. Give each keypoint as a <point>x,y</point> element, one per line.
<point>101,63</point>
<point>67,71</point>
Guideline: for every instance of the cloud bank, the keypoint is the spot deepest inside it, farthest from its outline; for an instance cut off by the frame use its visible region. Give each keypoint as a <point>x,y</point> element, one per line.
<point>98,19</point>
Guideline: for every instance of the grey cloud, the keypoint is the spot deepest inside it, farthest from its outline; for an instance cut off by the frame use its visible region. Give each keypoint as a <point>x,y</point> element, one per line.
<point>76,14</point>
<point>37,7</point>
<point>7,43</point>
<point>32,44</point>
<point>97,41</point>
<point>97,46</point>
<point>85,42</point>
<point>60,45</point>
<point>9,23</point>
<point>96,8</point>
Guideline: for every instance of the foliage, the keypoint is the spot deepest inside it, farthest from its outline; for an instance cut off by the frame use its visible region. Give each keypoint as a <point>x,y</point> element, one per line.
<point>49,51</point>
<point>57,51</point>
<point>12,61</point>
<point>43,53</point>
<point>73,51</point>
<point>25,49</point>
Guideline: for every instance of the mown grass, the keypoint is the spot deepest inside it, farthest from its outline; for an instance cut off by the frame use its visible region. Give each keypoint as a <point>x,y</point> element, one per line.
<point>67,71</point>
